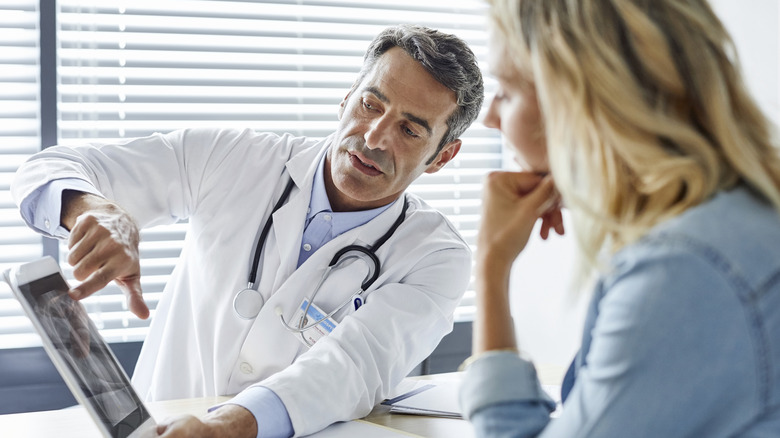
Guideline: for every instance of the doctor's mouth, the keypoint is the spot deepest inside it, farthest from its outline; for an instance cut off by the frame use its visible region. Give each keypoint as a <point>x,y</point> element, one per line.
<point>364,165</point>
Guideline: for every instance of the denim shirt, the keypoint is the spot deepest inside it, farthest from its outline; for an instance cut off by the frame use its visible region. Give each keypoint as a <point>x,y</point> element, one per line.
<point>682,339</point>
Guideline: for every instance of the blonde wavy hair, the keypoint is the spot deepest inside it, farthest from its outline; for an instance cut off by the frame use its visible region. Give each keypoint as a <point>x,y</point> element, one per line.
<point>645,110</point>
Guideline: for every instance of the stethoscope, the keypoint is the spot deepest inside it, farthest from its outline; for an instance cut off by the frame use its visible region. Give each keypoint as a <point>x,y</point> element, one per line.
<point>248,301</point>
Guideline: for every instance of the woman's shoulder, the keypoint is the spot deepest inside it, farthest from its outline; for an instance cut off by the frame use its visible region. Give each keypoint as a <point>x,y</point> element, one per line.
<point>700,292</point>
<point>736,234</point>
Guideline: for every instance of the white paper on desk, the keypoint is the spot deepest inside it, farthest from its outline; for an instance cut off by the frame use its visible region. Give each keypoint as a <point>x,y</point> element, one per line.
<point>435,398</point>
<point>360,429</point>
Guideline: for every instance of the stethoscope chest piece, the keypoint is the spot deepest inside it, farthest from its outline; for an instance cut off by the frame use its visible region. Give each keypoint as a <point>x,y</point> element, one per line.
<point>247,303</point>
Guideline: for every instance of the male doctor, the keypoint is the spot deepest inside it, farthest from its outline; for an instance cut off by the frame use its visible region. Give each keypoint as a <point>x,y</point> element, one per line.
<point>417,92</point>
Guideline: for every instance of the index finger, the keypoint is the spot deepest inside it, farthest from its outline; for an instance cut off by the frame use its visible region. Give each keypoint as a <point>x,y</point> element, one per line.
<point>96,282</point>
<point>79,230</point>
<point>520,183</point>
<point>535,192</point>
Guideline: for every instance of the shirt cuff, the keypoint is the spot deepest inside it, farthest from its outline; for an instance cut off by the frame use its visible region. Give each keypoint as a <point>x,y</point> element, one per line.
<point>41,209</point>
<point>497,377</point>
<point>271,415</point>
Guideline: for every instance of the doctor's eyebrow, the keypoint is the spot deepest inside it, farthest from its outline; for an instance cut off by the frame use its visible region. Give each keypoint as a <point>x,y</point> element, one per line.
<point>411,117</point>
<point>422,122</point>
<point>379,95</point>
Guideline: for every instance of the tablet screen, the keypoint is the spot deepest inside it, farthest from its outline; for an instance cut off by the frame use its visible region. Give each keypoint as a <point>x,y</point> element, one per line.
<point>86,355</point>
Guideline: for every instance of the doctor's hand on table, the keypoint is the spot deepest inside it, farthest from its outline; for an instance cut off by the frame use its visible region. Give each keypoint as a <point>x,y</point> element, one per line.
<point>103,246</point>
<point>227,421</point>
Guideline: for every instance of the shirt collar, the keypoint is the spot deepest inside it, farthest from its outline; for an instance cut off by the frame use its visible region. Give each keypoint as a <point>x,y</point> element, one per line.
<point>342,221</point>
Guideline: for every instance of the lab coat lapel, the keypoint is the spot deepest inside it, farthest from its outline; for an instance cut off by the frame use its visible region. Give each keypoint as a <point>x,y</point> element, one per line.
<point>301,282</point>
<point>290,218</point>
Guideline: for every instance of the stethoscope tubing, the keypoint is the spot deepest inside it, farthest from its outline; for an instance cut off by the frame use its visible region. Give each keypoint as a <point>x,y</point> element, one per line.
<point>369,252</point>
<point>341,256</point>
<point>264,234</point>
<point>371,278</point>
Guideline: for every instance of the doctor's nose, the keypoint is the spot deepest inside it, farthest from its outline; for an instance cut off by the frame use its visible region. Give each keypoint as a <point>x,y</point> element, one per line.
<point>377,135</point>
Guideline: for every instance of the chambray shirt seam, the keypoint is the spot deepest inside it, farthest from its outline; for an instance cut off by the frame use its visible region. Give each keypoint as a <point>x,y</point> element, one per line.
<point>766,286</point>
<point>745,294</point>
<point>762,290</point>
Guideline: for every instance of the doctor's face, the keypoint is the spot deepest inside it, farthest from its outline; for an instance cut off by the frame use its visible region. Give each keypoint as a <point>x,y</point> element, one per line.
<point>390,125</point>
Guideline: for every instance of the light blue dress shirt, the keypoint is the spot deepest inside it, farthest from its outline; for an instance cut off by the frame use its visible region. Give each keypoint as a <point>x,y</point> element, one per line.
<point>42,209</point>
<point>682,339</point>
<point>322,225</point>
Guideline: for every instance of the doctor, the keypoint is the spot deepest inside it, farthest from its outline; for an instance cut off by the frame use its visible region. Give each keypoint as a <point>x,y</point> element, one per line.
<point>223,327</point>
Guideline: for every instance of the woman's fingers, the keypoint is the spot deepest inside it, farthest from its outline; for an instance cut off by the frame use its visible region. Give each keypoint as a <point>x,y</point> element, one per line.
<point>512,203</point>
<point>552,220</point>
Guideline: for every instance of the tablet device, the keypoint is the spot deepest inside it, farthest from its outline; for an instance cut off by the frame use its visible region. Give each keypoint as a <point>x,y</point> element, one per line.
<point>78,351</point>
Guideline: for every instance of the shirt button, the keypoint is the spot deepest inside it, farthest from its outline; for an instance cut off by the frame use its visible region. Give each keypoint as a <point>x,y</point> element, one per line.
<point>246,368</point>
<point>46,223</point>
<point>306,247</point>
<point>326,217</point>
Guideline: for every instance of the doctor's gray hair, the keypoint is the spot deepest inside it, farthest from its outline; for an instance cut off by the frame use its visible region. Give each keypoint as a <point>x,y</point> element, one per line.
<point>447,58</point>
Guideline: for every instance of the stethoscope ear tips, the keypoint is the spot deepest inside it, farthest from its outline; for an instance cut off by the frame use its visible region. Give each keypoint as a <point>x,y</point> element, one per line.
<point>278,310</point>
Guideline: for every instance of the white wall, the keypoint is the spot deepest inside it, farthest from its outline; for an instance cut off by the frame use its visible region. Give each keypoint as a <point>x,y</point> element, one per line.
<point>754,27</point>
<point>547,324</point>
<point>547,319</point>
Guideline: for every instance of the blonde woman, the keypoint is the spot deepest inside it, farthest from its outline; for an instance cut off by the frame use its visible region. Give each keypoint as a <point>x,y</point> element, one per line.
<point>634,111</point>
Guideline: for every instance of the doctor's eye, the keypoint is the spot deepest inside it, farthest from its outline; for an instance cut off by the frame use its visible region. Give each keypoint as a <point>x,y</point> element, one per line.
<point>367,105</point>
<point>408,131</point>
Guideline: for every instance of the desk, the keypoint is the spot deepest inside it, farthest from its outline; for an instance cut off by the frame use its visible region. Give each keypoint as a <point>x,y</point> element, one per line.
<point>76,423</point>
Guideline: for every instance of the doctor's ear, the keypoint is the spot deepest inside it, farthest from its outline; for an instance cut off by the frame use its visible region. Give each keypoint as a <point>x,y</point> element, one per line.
<point>445,155</point>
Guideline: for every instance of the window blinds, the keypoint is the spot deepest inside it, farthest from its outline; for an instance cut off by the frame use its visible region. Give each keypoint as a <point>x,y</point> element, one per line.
<point>131,68</point>
<point>19,137</point>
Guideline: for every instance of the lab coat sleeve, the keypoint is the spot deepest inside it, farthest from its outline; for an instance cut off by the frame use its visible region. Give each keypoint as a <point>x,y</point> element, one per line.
<point>348,372</point>
<point>157,179</point>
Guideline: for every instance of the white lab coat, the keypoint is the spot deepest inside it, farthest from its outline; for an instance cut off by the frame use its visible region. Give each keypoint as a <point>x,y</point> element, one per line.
<point>226,183</point>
